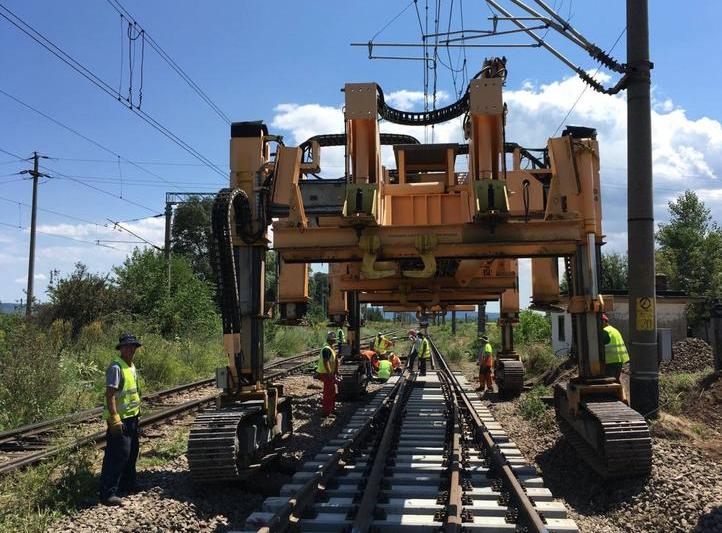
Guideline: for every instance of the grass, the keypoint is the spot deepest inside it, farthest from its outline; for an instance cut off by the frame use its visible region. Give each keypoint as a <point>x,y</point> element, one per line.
<point>531,407</point>
<point>677,391</point>
<point>165,450</point>
<point>32,499</point>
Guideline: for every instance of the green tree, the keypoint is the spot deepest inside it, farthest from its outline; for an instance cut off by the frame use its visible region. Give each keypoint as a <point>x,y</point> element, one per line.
<point>690,252</point>
<point>614,271</point>
<point>142,287</point>
<point>318,292</point>
<point>80,298</point>
<point>191,234</point>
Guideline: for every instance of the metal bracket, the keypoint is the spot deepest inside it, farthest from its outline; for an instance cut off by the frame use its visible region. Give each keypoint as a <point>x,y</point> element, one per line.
<point>371,244</point>
<point>425,244</point>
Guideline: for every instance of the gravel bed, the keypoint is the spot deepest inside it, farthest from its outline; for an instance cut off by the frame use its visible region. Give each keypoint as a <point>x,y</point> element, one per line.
<point>169,502</point>
<point>689,355</point>
<point>683,493</point>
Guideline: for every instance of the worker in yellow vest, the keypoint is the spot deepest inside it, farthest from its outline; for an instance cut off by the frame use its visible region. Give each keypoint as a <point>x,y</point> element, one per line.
<point>121,412</point>
<point>424,352</point>
<point>340,338</point>
<point>326,371</point>
<point>615,351</point>
<point>486,365</point>
<point>385,369</point>
<point>382,344</point>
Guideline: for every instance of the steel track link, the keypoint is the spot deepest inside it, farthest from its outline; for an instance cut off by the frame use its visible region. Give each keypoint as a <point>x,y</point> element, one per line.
<point>424,466</point>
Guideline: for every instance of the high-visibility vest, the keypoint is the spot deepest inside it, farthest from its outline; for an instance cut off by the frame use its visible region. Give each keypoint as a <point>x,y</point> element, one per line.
<point>425,350</point>
<point>384,369</point>
<point>321,368</point>
<point>616,350</point>
<point>487,356</point>
<point>341,336</point>
<point>127,398</point>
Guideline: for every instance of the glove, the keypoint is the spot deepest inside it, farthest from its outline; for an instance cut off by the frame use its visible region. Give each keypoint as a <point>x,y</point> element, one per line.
<point>115,425</point>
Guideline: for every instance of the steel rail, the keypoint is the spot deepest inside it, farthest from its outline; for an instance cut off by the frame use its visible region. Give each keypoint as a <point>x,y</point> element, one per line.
<point>292,510</point>
<point>528,514</point>
<point>88,414</point>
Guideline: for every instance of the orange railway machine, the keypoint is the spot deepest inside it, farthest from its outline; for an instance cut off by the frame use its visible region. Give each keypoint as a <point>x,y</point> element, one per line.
<point>422,235</point>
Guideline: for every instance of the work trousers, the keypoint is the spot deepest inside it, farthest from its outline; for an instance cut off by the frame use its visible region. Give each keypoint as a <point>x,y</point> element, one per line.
<point>121,453</point>
<point>329,393</point>
<point>613,370</point>
<point>485,378</point>
<point>422,366</point>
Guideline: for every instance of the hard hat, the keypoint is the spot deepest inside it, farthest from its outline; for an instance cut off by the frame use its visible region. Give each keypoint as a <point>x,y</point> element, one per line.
<point>331,335</point>
<point>484,338</point>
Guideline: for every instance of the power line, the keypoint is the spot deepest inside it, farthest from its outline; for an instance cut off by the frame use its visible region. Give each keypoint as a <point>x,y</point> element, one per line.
<point>71,217</point>
<point>117,225</point>
<point>116,5</point>
<point>94,243</point>
<point>81,69</point>
<point>587,86</point>
<point>83,136</point>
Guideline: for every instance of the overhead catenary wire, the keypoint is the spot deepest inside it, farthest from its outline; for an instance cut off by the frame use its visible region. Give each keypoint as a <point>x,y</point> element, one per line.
<point>117,6</point>
<point>81,69</point>
<point>584,89</point>
<point>93,243</point>
<point>92,141</point>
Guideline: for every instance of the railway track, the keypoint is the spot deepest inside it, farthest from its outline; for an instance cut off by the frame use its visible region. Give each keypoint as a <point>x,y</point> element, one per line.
<point>31,444</point>
<point>424,454</point>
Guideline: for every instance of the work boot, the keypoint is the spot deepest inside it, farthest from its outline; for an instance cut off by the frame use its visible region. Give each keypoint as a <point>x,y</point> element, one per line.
<point>112,501</point>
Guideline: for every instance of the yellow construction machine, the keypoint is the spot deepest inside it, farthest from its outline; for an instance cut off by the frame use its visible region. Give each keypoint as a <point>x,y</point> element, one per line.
<point>421,236</point>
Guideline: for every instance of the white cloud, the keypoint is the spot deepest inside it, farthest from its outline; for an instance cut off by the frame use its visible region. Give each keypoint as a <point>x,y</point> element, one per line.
<point>408,100</point>
<point>37,277</point>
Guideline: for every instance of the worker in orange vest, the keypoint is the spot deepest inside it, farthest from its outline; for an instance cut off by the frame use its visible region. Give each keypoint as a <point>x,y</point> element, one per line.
<point>395,362</point>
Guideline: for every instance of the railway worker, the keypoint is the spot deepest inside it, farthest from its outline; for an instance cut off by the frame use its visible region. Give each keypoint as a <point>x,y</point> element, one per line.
<point>384,370</point>
<point>424,352</point>
<point>368,355</point>
<point>486,365</point>
<point>326,371</point>
<point>615,351</point>
<point>341,338</point>
<point>395,362</point>
<point>382,344</point>
<point>414,348</point>
<point>121,411</point>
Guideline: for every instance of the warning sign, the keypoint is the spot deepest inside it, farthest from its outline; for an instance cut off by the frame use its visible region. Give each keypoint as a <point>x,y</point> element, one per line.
<point>645,314</point>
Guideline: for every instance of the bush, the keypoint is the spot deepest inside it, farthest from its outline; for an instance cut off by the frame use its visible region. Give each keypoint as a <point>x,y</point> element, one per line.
<point>532,327</point>
<point>184,310</point>
<point>531,407</point>
<point>539,358</point>
<point>29,377</point>
<point>79,298</point>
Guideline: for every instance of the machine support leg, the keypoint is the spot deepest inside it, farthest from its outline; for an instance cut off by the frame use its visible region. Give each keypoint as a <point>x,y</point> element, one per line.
<point>250,275</point>
<point>644,382</point>
<point>481,318</point>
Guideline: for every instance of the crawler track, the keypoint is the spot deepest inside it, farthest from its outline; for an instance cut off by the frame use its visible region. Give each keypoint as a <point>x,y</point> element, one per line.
<point>31,444</point>
<point>424,455</point>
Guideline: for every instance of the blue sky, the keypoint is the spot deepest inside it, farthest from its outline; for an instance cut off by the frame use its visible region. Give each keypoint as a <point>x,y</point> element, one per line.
<point>285,62</point>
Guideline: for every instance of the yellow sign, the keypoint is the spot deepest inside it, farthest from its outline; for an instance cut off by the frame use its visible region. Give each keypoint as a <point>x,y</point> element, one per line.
<point>645,314</point>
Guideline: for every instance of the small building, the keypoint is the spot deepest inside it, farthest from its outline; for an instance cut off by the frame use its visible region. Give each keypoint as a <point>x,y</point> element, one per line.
<point>671,314</point>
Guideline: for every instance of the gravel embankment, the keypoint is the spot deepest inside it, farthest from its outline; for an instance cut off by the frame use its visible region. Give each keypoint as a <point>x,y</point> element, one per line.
<point>169,502</point>
<point>689,355</point>
<point>683,493</point>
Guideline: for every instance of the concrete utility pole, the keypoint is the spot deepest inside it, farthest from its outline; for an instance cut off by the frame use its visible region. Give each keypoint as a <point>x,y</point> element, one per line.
<point>644,382</point>
<point>36,174</point>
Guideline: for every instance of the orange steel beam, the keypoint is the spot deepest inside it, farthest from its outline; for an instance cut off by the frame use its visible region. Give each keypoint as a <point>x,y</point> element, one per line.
<point>491,283</point>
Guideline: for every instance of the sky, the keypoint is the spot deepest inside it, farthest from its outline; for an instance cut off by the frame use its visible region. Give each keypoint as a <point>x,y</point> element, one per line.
<point>285,63</point>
